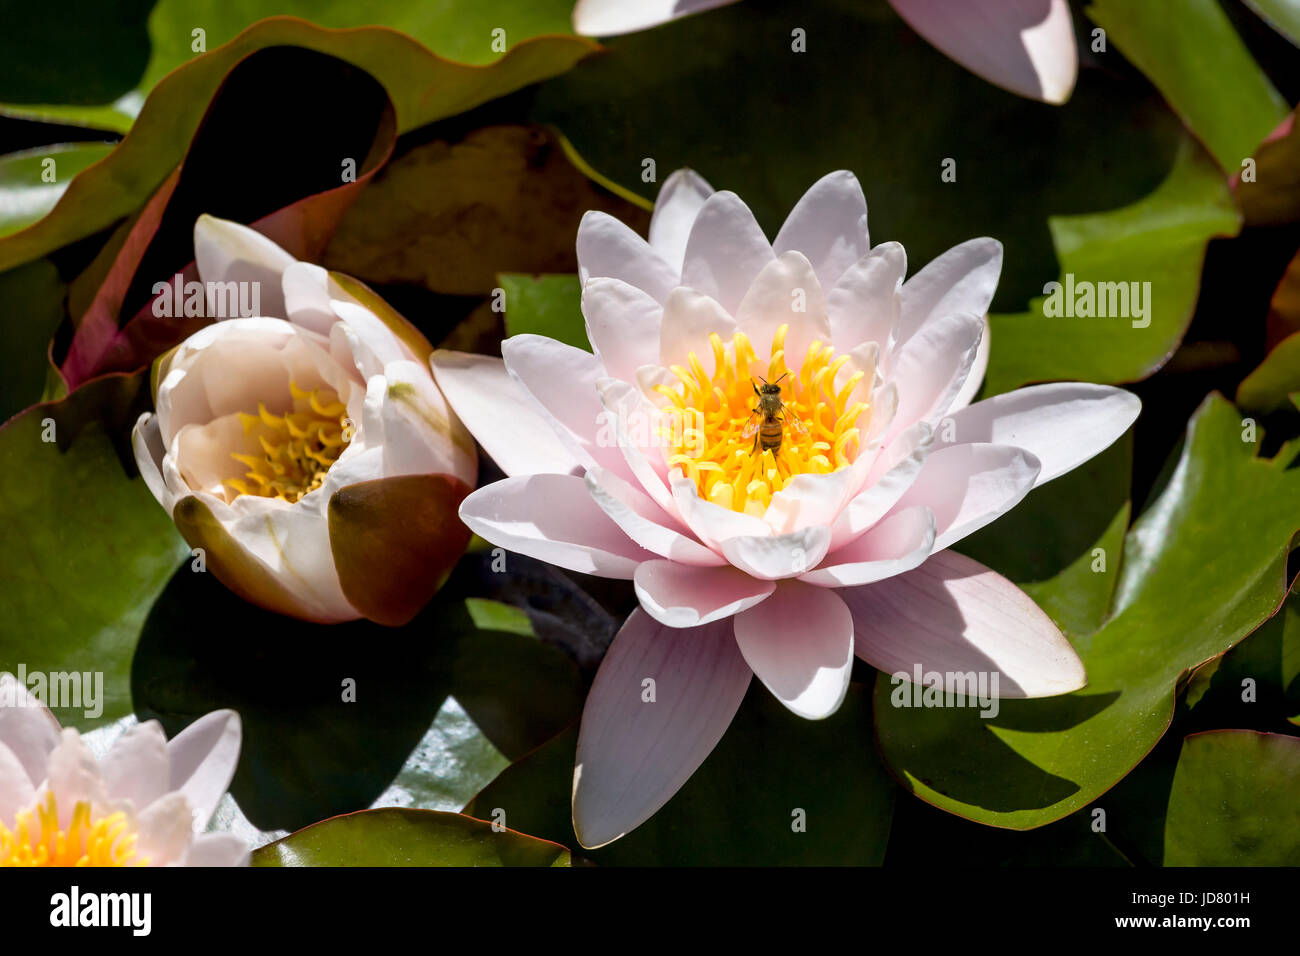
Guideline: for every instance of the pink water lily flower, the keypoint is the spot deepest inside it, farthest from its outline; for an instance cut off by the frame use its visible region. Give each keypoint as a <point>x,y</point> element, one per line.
<point>645,459</point>
<point>1024,46</point>
<point>145,803</point>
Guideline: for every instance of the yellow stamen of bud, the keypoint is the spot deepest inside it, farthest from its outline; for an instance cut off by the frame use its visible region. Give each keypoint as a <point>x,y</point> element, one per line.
<point>297,448</point>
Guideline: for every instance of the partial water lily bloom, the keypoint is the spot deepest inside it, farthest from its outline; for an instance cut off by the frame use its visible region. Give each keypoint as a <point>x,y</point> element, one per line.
<point>145,803</point>
<point>1024,46</point>
<point>774,441</point>
<point>307,450</point>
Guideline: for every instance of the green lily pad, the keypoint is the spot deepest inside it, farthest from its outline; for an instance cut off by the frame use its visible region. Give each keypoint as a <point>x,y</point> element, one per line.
<point>545,305</point>
<point>771,773</point>
<point>89,548</point>
<point>1282,15</point>
<point>460,30</point>
<point>1197,60</point>
<point>423,87</point>
<point>1202,567</point>
<point>25,195</point>
<point>1235,801</point>
<point>408,838</point>
<point>34,294</point>
<point>1108,187</point>
<point>1269,387</point>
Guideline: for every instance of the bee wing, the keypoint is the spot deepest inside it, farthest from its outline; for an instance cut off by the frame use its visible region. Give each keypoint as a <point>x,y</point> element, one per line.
<point>751,426</point>
<point>798,425</point>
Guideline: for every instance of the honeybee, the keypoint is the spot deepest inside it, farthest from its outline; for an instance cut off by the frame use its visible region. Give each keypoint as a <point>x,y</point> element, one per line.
<point>768,429</point>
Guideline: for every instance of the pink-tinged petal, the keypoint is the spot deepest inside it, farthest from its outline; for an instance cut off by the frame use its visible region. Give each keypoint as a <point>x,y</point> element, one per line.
<point>726,250</point>
<point>681,595</point>
<point>828,225</point>
<point>645,522</point>
<point>609,18</point>
<point>73,775</point>
<point>203,758</point>
<point>501,415</point>
<point>27,727</point>
<point>799,643</point>
<point>968,486</point>
<point>975,378</point>
<point>217,849</point>
<point>1025,46</point>
<point>562,379</point>
<point>689,318</point>
<point>711,523</point>
<point>775,556</point>
<point>634,420</point>
<point>226,251</point>
<point>810,500</point>
<point>136,768</point>
<point>897,544</point>
<point>307,294</point>
<point>890,477</point>
<point>961,280</point>
<point>1062,424</point>
<point>622,325</point>
<point>786,293</point>
<point>421,435</point>
<point>17,792</point>
<point>609,248</point>
<point>864,304</point>
<point>931,367</point>
<point>164,830</point>
<point>372,343</point>
<point>952,615</point>
<point>633,753</point>
<point>146,442</point>
<point>680,199</point>
<point>554,519</point>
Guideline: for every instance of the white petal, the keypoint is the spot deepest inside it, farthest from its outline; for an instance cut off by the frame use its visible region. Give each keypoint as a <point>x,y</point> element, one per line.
<point>608,18</point>
<point>1062,424</point>
<point>810,500</point>
<point>682,595</point>
<point>622,325</point>
<point>17,792</point>
<point>27,727</point>
<point>164,830</point>
<point>607,247</point>
<point>775,556</point>
<point>864,304</point>
<point>647,524</point>
<point>562,379</point>
<point>554,519</point>
<point>1025,46</point>
<point>146,442</point>
<point>634,421</point>
<point>136,767</point>
<point>307,295</point>
<point>203,758</point>
<point>890,477</point>
<point>73,776</point>
<point>968,486</point>
<point>963,279</point>
<point>225,251</point>
<point>897,544</point>
<point>679,202</point>
<point>953,616</point>
<point>799,643</point>
<point>500,413</point>
<point>785,284</point>
<point>421,435</point>
<point>726,250</point>
<point>931,367</point>
<point>217,849</point>
<point>711,523</point>
<point>828,225</point>
<point>974,378</point>
<point>633,754</point>
<point>690,317</point>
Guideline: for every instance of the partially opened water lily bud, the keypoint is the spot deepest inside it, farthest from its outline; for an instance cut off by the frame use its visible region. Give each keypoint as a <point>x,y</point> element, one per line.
<point>307,451</point>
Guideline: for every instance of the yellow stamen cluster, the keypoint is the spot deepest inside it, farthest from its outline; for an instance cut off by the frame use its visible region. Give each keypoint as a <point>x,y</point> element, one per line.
<point>708,415</point>
<point>296,448</point>
<point>37,840</point>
